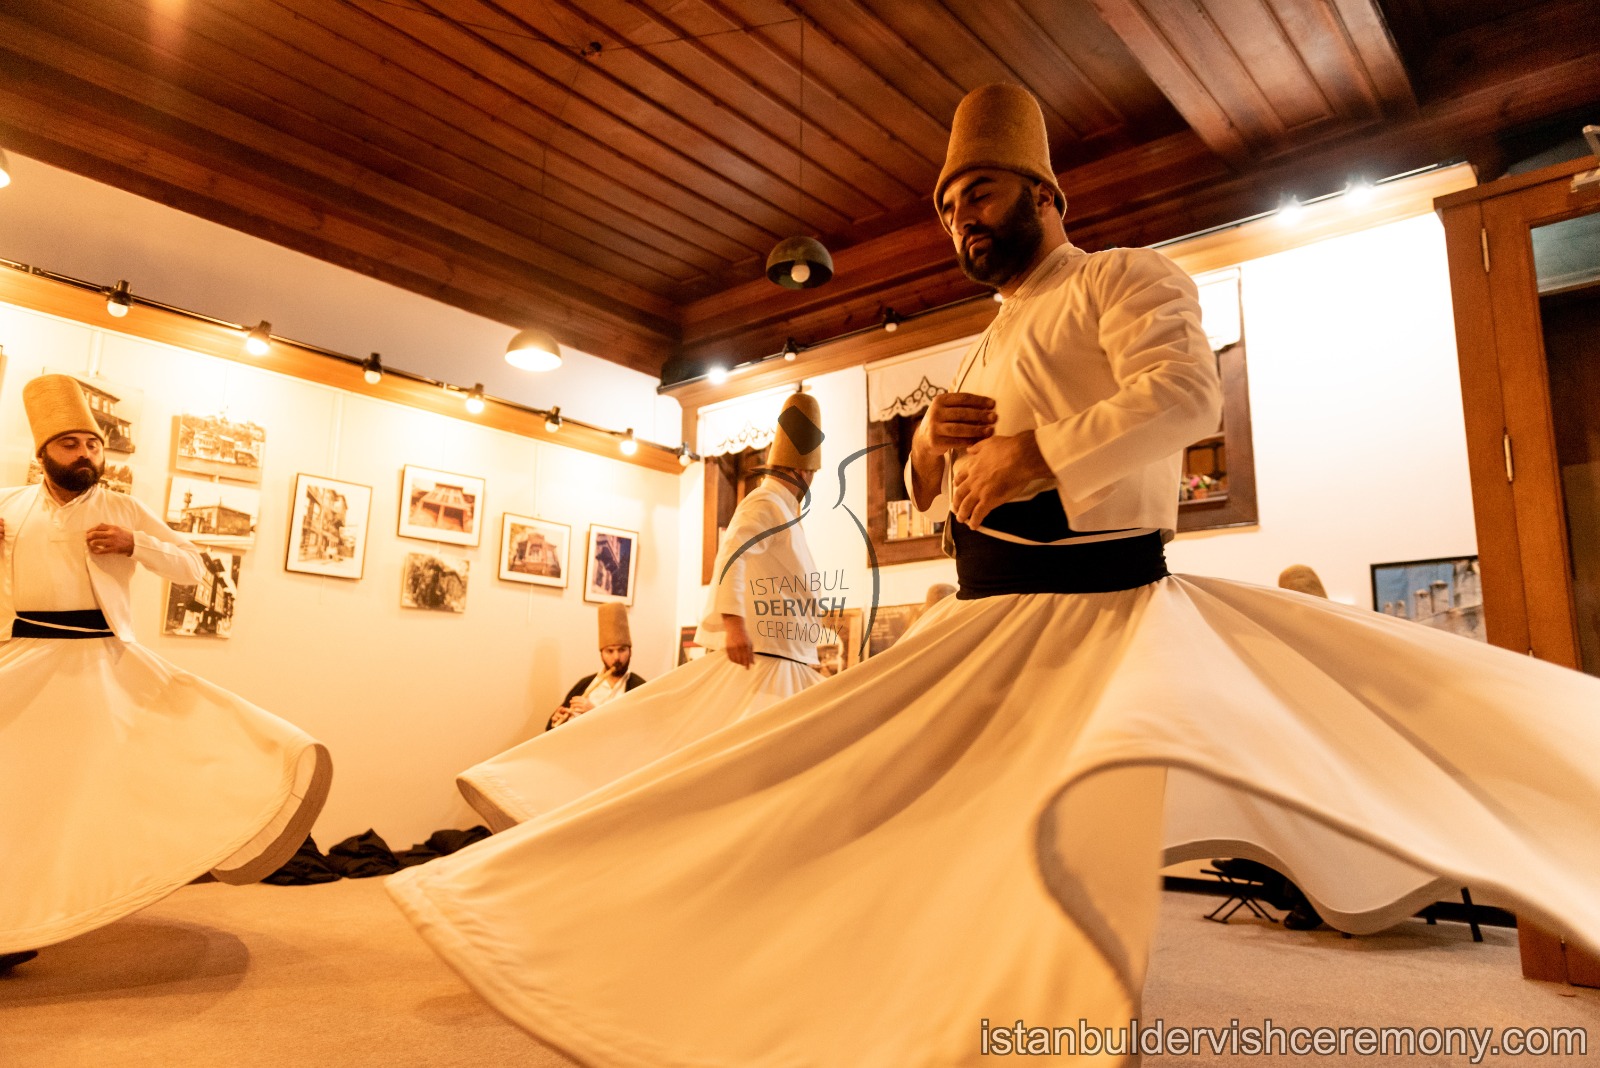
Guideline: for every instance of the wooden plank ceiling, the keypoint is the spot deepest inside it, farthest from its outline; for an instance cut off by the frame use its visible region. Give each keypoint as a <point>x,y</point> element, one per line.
<point>617,170</point>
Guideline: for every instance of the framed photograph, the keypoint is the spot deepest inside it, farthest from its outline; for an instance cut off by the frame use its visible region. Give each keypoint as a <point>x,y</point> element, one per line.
<point>890,622</point>
<point>435,583</point>
<point>214,513</point>
<point>613,563</point>
<point>115,427</point>
<point>440,506</point>
<point>688,648</point>
<point>534,551</point>
<point>1445,593</point>
<point>840,645</point>
<point>215,445</point>
<point>328,527</point>
<point>205,610</point>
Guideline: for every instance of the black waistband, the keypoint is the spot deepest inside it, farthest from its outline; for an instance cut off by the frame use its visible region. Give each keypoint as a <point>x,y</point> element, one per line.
<point>989,567</point>
<point>87,623</point>
<point>780,656</point>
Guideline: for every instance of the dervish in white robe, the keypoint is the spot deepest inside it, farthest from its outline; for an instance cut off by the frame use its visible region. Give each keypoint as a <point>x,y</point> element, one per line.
<point>122,776</point>
<point>970,826</point>
<point>764,575</point>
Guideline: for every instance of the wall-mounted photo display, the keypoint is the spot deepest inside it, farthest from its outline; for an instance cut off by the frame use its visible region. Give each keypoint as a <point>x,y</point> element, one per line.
<point>534,551</point>
<point>115,427</point>
<point>328,527</point>
<point>215,513</point>
<point>889,622</point>
<point>688,648</point>
<point>215,445</point>
<point>613,563</point>
<point>435,583</point>
<point>840,646</point>
<point>118,478</point>
<point>205,610</point>
<point>440,506</point>
<point>1444,593</point>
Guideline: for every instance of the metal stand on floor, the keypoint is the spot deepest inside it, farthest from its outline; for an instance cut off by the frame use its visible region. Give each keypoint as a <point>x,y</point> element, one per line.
<point>1471,915</point>
<point>1245,894</point>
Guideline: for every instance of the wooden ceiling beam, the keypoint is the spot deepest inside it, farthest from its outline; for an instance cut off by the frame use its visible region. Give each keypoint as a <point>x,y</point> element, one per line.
<point>1252,77</point>
<point>104,141</point>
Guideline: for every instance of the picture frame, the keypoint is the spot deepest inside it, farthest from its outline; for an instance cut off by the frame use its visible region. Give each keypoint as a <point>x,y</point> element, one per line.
<point>1445,592</point>
<point>434,582</point>
<point>688,648</point>
<point>840,647</point>
<point>213,513</point>
<point>535,551</point>
<point>889,623</point>
<point>216,445</point>
<point>441,506</point>
<point>612,565</point>
<point>328,525</point>
<point>206,609</point>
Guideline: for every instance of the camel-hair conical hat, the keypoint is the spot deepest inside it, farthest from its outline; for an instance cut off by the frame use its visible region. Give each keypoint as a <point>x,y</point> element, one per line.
<point>798,442</point>
<point>56,406</point>
<point>998,126</point>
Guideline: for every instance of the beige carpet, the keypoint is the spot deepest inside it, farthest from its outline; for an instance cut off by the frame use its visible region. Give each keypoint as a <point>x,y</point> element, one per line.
<point>272,977</point>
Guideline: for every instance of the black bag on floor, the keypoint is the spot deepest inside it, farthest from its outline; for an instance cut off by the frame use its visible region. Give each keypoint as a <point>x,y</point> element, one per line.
<point>307,867</point>
<point>363,856</point>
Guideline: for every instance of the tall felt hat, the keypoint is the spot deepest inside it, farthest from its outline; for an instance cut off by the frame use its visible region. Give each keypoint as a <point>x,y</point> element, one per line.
<point>998,126</point>
<point>798,441</point>
<point>1301,579</point>
<point>614,625</point>
<point>55,406</point>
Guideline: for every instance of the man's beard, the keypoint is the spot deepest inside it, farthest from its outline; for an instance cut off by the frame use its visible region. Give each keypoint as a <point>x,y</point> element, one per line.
<point>74,477</point>
<point>1012,245</point>
<point>619,669</point>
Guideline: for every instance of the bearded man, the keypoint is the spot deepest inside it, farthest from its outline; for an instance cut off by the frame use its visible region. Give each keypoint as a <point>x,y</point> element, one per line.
<point>889,869</point>
<point>122,777</point>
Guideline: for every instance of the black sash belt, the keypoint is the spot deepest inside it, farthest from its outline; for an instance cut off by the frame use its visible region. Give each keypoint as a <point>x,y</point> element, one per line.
<point>780,656</point>
<point>86,623</point>
<point>988,566</point>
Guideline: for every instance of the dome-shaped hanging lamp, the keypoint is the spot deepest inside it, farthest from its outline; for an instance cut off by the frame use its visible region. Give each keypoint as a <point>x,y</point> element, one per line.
<point>533,350</point>
<point>799,263</point>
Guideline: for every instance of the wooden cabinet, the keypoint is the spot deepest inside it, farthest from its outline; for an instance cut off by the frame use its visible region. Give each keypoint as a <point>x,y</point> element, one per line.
<point>1524,258</point>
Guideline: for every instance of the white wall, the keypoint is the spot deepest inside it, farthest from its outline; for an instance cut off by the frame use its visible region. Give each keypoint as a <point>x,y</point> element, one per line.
<point>403,698</point>
<point>1356,413</point>
<point>72,225</point>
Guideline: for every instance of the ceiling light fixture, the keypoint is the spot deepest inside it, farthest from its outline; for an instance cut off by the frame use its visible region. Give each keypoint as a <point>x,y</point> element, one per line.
<point>800,262</point>
<point>475,399</point>
<point>627,444</point>
<point>534,350</point>
<point>717,375</point>
<point>5,169</point>
<point>372,370</point>
<point>118,299</point>
<point>1290,212</point>
<point>552,420</point>
<point>891,320</point>
<point>1359,192</point>
<point>258,342</point>
<point>791,349</point>
<point>685,457</point>
<point>999,297</point>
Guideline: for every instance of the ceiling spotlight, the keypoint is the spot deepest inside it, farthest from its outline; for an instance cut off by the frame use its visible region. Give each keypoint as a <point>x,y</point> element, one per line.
<point>999,297</point>
<point>372,370</point>
<point>258,342</point>
<point>118,299</point>
<point>683,455</point>
<point>1291,211</point>
<point>891,320</point>
<point>1359,192</point>
<point>717,375</point>
<point>627,444</point>
<point>552,422</point>
<point>533,350</point>
<point>475,399</point>
<point>5,169</point>
<point>799,263</point>
<point>791,349</point>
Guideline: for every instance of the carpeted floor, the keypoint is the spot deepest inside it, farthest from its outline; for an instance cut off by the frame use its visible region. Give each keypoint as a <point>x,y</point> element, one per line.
<point>274,977</point>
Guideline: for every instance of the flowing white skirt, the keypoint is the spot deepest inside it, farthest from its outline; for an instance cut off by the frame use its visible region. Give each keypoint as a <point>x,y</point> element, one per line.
<point>969,827</point>
<point>123,777</point>
<point>625,734</point>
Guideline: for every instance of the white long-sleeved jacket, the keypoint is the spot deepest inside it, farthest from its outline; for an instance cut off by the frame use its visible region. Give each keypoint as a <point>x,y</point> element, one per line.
<point>155,545</point>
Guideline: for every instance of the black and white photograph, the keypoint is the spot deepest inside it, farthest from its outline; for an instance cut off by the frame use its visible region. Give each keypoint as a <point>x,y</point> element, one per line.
<point>534,551</point>
<point>217,445</point>
<point>434,583</point>
<point>440,506</point>
<point>115,427</point>
<point>328,527</point>
<point>205,610</point>
<point>612,564</point>
<point>214,513</point>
